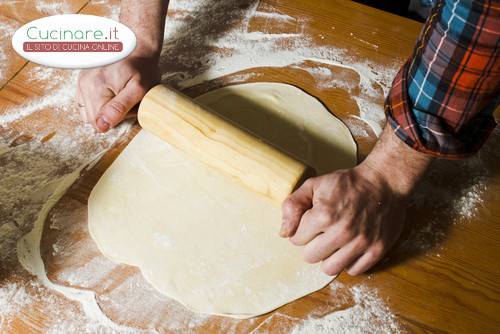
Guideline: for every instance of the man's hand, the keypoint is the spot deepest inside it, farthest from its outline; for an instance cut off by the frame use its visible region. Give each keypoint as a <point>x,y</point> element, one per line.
<point>105,95</point>
<point>110,92</point>
<point>350,218</point>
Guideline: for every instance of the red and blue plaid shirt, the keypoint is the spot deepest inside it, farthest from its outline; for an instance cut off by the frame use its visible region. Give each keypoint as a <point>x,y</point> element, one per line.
<point>443,98</point>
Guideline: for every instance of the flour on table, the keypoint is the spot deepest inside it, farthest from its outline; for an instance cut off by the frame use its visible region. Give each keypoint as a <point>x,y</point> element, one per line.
<point>325,78</point>
<point>31,170</point>
<point>356,129</point>
<point>13,297</point>
<point>375,46</point>
<point>35,167</point>
<point>49,76</point>
<point>193,42</point>
<point>369,314</point>
<point>61,97</point>
<point>450,202</point>
<point>366,313</point>
<point>7,29</point>
<point>66,317</point>
<point>88,275</point>
<point>53,8</point>
<point>275,16</point>
<point>112,7</point>
<point>243,77</point>
<point>372,113</point>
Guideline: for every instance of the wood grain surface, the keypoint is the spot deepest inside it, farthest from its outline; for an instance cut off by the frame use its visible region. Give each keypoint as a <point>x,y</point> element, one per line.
<point>443,276</point>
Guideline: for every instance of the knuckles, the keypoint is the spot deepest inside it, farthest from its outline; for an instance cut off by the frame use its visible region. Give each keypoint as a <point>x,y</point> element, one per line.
<point>295,241</point>
<point>351,272</point>
<point>289,208</point>
<point>115,109</point>
<point>310,255</point>
<point>363,241</point>
<point>329,268</point>
<point>377,250</point>
<point>90,79</point>
<point>324,218</point>
<point>346,233</point>
<point>139,88</point>
<point>371,256</point>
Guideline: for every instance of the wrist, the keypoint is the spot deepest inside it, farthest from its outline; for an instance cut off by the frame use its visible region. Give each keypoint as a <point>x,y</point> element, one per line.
<point>149,32</point>
<point>146,50</point>
<point>400,166</point>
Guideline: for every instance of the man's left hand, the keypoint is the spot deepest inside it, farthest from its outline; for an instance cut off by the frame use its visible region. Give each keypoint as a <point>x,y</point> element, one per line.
<point>354,219</point>
<point>349,219</point>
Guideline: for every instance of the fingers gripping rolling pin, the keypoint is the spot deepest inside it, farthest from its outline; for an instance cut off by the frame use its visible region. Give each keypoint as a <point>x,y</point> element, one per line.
<point>218,143</point>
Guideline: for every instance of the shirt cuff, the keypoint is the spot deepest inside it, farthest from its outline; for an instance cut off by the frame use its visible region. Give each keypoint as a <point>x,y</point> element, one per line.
<point>428,133</point>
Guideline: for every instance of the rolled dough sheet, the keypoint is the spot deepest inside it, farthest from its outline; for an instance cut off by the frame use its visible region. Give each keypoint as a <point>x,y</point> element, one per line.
<point>198,238</point>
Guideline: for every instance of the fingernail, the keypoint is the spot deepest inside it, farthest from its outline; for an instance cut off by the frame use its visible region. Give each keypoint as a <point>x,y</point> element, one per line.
<point>283,231</point>
<point>102,124</point>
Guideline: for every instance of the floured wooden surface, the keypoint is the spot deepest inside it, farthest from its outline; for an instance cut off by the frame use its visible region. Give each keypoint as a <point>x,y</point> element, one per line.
<point>444,266</point>
<point>14,14</point>
<point>128,299</point>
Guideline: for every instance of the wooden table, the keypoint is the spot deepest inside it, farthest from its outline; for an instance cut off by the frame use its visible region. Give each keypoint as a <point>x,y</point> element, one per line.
<point>442,276</point>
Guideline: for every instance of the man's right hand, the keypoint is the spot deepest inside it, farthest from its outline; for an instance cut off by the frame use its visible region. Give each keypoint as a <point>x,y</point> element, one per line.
<point>105,95</point>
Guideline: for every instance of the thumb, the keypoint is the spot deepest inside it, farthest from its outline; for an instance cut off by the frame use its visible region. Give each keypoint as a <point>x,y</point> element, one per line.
<point>115,110</point>
<point>294,206</point>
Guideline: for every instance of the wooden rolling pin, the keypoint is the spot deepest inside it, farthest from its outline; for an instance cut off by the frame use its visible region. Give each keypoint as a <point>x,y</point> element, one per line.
<point>218,143</point>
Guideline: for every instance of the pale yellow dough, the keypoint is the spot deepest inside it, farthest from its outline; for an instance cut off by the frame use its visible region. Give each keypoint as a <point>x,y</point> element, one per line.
<point>198,238</point>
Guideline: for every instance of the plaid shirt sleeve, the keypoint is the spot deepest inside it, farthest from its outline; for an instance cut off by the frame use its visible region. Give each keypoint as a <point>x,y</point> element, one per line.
<point>443,98</point>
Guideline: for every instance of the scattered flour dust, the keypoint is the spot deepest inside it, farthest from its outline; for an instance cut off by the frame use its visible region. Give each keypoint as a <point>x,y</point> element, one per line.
<point>112,7</point>
<point>9,26</point>
<point>7,29</point>
<point>31,169</point>
<point>357,129</point>
<point>13,298</point>
<point>450,202</point>
<point>18,296</point>
<point>53,7</point>
<point>472,198</point>
<point>368,315</point>
<point>62,95</point>
<point>325,78</point>
<point>191,43</point>
<point>88,275</point>
<point>363,41</point>
<point>36,170</point>
<point>35,174</point>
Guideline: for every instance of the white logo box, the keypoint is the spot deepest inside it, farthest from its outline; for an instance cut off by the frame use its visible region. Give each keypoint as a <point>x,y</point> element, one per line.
<point>74,41</point>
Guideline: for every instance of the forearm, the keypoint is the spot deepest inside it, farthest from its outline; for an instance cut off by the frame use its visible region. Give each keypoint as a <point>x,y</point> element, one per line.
<point>400,166</point>
<point>147,19</point>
